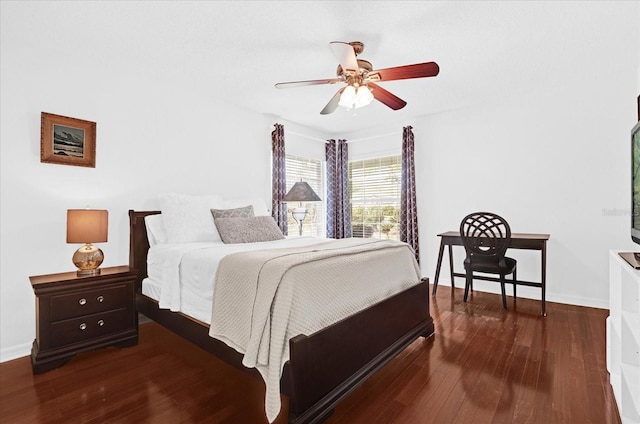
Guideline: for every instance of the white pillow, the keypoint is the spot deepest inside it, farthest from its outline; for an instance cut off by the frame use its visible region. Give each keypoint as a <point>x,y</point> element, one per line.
<point>155,229</point>
<point>259,206</point>
<point>187,218</point>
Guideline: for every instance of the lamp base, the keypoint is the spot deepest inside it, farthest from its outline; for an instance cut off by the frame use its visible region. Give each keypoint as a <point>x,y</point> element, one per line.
<point>299,214</point>
<point>88,260</point>
<point>87,272</point>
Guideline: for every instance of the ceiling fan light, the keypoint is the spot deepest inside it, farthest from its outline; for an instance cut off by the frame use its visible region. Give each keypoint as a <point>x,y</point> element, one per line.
<point>363,97</point>
<point>348,97</point>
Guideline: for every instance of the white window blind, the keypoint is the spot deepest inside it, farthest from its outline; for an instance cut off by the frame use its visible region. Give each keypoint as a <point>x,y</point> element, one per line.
<point>308,170</point>
<point>375,197</point>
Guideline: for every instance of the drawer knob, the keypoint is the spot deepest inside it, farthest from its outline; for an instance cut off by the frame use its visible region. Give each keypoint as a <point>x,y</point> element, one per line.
<point>100,299</point>
<point>82,301</point>
<point>100,322</point>
<point>83,326</point>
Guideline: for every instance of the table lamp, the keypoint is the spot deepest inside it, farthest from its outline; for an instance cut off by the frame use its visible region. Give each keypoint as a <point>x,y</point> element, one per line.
<point>300,192</point>
<point>87,226</point>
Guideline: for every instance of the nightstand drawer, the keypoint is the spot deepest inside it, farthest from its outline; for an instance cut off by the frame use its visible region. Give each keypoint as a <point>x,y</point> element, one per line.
<point>87,302</point>
<point>88,327</point>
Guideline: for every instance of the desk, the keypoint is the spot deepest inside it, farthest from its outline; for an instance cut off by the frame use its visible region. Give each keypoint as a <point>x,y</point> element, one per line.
<point>518,241</point>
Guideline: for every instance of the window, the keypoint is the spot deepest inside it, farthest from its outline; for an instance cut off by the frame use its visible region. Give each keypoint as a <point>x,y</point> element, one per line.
<point>375,197</point>
<point>310,171</point>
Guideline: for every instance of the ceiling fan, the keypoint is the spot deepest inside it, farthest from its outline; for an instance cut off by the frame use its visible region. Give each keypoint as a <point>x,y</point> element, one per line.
<point>362,79</point>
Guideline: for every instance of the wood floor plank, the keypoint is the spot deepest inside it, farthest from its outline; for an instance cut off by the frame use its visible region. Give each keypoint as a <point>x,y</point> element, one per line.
<point>483,365</point>
<point>490,384</point>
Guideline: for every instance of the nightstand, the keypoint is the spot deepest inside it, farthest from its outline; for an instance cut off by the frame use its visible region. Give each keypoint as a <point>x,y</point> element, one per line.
<point>79,313</point>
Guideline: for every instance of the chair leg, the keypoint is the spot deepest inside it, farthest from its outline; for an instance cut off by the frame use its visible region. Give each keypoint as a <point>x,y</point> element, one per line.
<point>514,285</point>
<point>504,294</point>
<point>467,285</point>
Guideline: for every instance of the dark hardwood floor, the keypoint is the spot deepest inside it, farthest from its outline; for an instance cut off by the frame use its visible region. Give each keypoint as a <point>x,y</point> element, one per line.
<point>483,365</point>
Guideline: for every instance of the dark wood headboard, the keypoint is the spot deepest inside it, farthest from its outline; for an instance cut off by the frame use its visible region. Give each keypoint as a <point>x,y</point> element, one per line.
<point>138,244</point>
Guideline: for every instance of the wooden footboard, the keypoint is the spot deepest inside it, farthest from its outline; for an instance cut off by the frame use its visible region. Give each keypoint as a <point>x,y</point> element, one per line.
<point>329,364</point>
<point>324,367</point>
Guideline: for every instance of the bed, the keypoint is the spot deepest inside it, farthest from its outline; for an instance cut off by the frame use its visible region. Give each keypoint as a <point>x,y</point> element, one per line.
<point>322,367</point>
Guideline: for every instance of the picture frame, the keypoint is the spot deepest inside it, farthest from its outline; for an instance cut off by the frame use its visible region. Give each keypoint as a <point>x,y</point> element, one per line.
<point>67,141</point>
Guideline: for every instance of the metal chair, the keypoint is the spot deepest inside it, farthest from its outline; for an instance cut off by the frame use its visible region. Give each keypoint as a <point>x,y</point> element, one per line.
<point>485,237</point>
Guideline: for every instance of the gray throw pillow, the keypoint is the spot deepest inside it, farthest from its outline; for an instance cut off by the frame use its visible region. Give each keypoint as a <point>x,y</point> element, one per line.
<point>243,212</point>
<point>248,230</point>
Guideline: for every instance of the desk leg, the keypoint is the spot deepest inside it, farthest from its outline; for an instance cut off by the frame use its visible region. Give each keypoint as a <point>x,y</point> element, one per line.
<point>438,265</point>
<point>544,278</point>
<point>453,282</point>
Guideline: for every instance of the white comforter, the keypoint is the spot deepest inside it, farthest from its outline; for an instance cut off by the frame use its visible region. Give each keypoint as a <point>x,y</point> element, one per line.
<point>260,302</point>
<point>177,267</point>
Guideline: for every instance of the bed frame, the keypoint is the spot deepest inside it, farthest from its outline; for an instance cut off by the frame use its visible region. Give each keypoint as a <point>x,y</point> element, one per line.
<point>324,367</point>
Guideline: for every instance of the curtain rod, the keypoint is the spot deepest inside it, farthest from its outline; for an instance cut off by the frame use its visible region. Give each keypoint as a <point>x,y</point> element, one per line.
<point>357,140</point>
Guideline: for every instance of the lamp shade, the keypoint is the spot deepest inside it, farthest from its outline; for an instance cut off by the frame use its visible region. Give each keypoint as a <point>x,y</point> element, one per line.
<point>301,192</point>
<point>364,96</point>
<point>348,97</point>
<point>87,225</point>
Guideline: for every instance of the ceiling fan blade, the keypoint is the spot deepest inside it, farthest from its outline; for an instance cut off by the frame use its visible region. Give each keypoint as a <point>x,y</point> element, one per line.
<point>345,54</point>
<point>293,84</point>
<point>333,103</point>
<point>383,96</point>
<point>419,70</point>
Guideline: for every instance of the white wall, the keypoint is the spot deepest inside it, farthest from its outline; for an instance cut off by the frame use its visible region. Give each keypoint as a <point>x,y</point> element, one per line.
<point>546,165</point>
<point>152,137</point>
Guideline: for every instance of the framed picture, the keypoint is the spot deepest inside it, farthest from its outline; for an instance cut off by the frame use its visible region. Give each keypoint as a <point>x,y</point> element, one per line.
<point>67,141</point>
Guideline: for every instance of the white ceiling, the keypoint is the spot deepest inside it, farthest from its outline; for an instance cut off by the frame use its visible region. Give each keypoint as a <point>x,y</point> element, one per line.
<point>236,51</point>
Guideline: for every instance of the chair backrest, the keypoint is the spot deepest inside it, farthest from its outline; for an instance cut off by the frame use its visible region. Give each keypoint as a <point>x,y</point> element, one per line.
<point>485,234</point>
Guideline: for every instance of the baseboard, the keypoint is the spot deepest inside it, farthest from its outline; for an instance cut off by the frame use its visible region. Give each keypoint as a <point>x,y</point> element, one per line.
<point>533,293</point>
<point>142,319</point>
<point>580,301</point>
<point>15,352</point>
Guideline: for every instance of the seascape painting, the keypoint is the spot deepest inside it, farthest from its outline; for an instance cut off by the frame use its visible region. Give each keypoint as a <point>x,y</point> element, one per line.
<point>68,141</point>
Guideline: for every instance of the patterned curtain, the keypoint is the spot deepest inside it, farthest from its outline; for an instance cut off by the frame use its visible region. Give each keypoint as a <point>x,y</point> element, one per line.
<point>279,178</point>
<point>338,203</point>
<point>408,206</point>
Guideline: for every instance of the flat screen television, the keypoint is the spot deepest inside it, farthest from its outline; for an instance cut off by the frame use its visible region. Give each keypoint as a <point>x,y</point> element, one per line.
<point>634,257</point>
<point>635,183</point>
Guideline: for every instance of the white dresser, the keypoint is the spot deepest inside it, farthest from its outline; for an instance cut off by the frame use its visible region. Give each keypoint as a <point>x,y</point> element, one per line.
<point>623,337</point>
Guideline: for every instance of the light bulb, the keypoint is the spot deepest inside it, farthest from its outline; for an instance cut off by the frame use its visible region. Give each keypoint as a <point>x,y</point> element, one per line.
<point>363,97</point>
<point>348,97</point>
